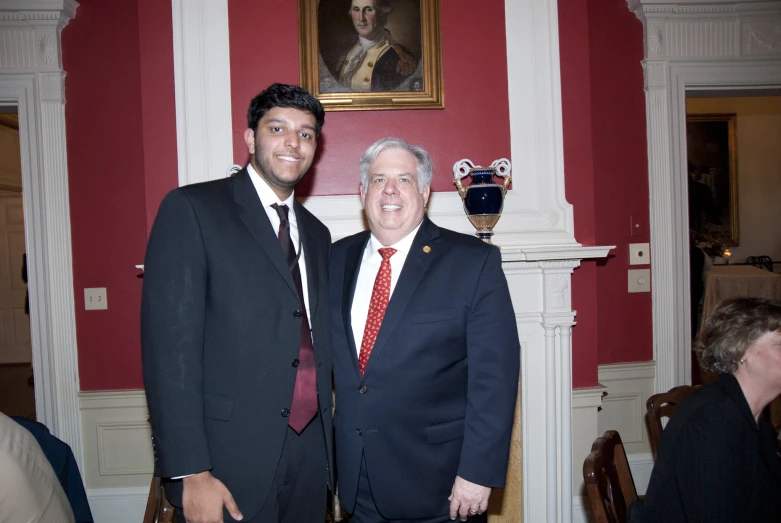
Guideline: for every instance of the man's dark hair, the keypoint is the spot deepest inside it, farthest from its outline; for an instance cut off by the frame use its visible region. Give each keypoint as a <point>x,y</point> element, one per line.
<point>282,95</point>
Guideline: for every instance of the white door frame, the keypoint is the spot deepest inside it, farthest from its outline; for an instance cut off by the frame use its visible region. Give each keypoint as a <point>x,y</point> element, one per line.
<point>690,45</point>
<point>31,78</point>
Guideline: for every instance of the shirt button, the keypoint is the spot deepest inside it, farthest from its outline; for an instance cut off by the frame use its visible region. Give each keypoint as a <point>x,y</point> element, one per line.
<point>367,79</point>
<point>285,413</point>
<point>363,390</point>
<point>370,64</point>
<point>358,431</point>
<point>296,363</point>
<point>297,314</point>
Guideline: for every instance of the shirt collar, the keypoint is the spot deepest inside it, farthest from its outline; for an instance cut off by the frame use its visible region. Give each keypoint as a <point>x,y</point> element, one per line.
<point>404,245</point>
<point>266,194</point>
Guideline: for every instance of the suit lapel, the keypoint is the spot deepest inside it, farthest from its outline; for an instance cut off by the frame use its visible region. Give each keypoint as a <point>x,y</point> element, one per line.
<point>254,217</point>
<point>412,274</point>
<point>309,244</point>
<point>352,265</point>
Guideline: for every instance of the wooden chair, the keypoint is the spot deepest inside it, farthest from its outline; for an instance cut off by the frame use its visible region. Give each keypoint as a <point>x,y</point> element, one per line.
<point>158,509</point>
<point>663,405</point>
<point>761,262</point>
<point>609,484</point>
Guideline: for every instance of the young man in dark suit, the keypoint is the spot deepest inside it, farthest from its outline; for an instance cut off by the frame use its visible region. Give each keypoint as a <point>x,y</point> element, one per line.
<point>426,354</point>
<point>235,331</point>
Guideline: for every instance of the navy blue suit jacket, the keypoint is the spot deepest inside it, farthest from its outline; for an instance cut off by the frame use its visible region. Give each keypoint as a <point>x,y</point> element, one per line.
<point>439,391</point>
<point>219,333</point>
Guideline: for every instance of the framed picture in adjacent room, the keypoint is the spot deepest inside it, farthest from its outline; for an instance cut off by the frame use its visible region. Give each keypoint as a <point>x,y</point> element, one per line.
<point>371,54</point>
<point>712,156</point>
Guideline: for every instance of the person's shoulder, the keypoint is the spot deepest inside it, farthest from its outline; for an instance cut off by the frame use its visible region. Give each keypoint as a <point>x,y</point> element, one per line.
<point>708,411</point>
<point>346,242</point>
<point>206,189</point>
<point>466,242</point>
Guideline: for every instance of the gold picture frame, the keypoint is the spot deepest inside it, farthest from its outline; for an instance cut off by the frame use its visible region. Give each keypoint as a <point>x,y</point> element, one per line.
<point>711,147</point>
<point>333,70</point>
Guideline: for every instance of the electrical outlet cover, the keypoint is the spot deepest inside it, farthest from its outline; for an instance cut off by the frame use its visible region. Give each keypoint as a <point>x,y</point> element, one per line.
<point>640,280</point>
<point>639,254</point>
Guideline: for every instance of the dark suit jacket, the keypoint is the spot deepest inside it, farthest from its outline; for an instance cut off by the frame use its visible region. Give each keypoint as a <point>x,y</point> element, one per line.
<point>715,465</point>
<point>219,334</point>
<point>440,386</point>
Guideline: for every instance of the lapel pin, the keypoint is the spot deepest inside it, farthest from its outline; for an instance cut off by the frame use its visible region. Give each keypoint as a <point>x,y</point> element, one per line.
<point>426,249</point>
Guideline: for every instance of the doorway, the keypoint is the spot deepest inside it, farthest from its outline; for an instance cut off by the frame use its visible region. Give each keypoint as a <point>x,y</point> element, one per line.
<point>17,393</point>
<point>734,166</point>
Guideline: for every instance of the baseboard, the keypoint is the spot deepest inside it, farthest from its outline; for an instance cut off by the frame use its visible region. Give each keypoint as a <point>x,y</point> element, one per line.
<point>580,511</point>
<point>118,505</point>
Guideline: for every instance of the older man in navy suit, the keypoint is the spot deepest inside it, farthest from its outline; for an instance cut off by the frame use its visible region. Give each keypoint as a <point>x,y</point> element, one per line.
<point>426,354</point>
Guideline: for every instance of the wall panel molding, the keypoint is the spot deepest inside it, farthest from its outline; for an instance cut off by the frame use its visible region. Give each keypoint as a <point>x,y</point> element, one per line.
<point>117,439</point>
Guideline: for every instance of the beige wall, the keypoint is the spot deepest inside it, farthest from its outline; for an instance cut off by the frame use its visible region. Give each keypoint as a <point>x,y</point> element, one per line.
<point>759,170</point>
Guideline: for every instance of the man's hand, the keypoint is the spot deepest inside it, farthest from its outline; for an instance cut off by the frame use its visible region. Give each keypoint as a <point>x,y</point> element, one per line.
<point>468,499</point>
<point>203,499</point>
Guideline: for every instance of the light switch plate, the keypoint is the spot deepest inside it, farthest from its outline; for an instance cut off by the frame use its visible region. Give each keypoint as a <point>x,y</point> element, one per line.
<point>95,299</point>
<point>640,280</point>
<point>639,254</point>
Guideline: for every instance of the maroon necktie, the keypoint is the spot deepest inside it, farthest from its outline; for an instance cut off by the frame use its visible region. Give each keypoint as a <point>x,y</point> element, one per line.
<point>304,406</point>
<point>377,306</point>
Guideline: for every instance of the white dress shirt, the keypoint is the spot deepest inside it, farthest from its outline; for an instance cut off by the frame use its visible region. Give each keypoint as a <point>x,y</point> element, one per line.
<point>370,266</point>
<point>267,199</point>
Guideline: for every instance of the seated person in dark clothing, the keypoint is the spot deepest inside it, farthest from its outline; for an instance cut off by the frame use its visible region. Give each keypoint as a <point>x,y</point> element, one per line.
<point>717,459</point>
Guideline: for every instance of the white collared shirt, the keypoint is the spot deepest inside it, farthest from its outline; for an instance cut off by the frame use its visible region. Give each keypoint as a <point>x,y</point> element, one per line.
<point>370,266</point>
<point>267,199</point>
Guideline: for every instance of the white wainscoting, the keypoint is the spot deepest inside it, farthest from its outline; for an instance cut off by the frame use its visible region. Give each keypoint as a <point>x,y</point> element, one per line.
<point>118,460</point>
<point>585,429</point>
<point>627,386</point>
<point>118,505</point>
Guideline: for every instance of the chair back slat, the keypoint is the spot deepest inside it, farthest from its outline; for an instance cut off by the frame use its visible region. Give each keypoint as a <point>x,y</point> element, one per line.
<point>663,405</point>
<point>609,484</point>
<point>761,262</point>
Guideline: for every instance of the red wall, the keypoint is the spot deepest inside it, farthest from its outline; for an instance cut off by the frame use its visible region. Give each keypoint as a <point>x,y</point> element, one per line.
<point>122,150</point>
<point>474,124</point>
<point>579,175</point>
<point>606,168</point>
<point>621,176</point>
<point>121,143</point>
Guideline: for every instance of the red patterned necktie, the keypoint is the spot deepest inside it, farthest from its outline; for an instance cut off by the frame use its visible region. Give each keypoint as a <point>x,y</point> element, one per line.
<point>380,298</point>
<point>304,405</point>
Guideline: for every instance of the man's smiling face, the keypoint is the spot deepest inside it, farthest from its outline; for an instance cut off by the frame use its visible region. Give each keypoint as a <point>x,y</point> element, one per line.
<point>283,147</point>
<point>393,200</point>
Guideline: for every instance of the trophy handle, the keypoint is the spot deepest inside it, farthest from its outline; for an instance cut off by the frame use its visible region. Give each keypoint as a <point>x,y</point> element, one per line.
<point>460,169</point>
<point>460,187</point>
<point>503,168</point>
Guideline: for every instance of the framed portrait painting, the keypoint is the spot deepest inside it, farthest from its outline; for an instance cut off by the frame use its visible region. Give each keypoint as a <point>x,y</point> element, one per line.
<point>711,147</point>
<point>371,54</point>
